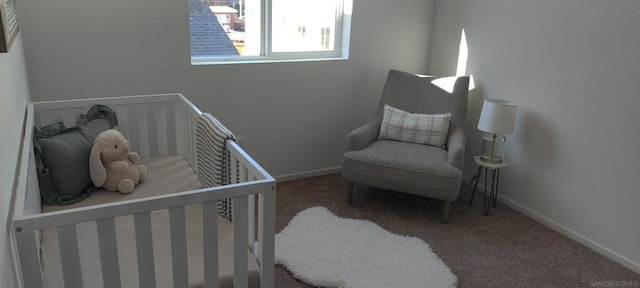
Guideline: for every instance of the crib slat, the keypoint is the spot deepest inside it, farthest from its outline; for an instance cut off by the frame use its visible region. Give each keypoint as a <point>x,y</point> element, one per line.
<point>132,119</point>
<point>210,240</point>
<point>69,117</point>
<point>144,248</point>
<point>45,117</point>
<point>243,174</point>
<point>161,128</point>
<point>29,254</point>
<point>266,235</point>
<point>240,279</point>
<point>123,120</point>
<point>187,139</point>
<point>69,255</point>
<point>178,247</point>
<point>143,130</point>
<point>172,125</point>
<point>180,131</point>
<point>81,111</point>
<point>32,197</point>
<point>108,253</point>
<point>57,115</point>
<point>252,222</point>
<point>152,130</point>
<point>191,143</point>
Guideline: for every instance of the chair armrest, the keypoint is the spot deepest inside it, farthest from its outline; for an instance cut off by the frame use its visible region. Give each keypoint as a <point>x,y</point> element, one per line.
<point>364,135</point>
<point>455,147</point>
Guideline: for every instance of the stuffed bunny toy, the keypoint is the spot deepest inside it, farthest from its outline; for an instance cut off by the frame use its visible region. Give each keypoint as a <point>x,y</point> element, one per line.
<point>111,164</point>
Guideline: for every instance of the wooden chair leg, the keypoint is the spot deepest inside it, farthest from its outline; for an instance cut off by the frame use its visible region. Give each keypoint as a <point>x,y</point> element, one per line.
<point>446,209</point>
<point>349,192</point>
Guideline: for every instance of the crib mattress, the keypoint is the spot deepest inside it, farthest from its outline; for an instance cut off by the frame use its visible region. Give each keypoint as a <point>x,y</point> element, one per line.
<point>165,175</point>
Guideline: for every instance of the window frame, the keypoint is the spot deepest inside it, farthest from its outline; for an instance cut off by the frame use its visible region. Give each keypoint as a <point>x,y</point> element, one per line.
<point>341,38</point>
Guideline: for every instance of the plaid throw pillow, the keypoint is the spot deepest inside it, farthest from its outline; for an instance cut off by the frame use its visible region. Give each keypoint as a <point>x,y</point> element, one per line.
<point>403,126</point>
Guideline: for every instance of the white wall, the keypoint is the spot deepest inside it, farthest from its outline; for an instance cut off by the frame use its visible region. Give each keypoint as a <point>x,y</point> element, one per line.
<point>295,116</point>
<point>14,95</point>
<point>572,66</point>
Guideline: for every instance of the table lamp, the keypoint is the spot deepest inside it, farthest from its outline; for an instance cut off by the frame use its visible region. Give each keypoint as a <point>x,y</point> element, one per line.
<point>497,119</point>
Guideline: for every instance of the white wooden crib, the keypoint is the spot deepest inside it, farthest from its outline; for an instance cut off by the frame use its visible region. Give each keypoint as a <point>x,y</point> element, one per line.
<point>157,127</point>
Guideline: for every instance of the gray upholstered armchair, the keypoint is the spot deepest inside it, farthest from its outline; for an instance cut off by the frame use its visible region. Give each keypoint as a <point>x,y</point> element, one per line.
<point>424,170</point>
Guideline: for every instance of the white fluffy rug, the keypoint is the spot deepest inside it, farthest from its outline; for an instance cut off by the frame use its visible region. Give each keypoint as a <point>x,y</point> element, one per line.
<point>325,250</point>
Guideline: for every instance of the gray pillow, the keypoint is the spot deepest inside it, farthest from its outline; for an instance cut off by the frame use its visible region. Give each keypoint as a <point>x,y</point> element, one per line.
<point>62,156</point>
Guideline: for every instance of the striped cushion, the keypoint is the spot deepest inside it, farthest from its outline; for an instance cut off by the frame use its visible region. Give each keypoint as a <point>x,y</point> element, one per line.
<point>403,126</point>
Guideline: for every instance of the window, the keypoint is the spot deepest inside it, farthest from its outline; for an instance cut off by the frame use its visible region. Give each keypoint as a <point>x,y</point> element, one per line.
<point>325,37</point>
<point>223,19</point>
<point>302,32</point>
<point>232,31</point>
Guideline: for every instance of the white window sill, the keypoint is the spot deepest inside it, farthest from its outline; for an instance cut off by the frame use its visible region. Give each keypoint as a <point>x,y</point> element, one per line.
<point>213,61</point>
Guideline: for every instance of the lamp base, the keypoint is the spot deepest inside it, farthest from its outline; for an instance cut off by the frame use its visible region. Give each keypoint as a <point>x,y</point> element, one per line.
<point>492,148</point>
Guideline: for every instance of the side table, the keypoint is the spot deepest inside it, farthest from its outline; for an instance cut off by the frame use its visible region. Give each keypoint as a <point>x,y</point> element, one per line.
<point>495,178</point>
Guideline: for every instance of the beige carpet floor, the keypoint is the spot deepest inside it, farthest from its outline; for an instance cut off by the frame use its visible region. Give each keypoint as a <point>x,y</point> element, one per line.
<point>505,249</point>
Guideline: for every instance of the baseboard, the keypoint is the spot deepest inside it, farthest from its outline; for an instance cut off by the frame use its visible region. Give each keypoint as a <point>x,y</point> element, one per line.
<point>573,235</point>
<point>307,174</point>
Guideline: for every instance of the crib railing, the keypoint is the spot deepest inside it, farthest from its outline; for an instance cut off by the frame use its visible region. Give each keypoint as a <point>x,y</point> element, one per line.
<point>65,221</point>
<point>156,125</point>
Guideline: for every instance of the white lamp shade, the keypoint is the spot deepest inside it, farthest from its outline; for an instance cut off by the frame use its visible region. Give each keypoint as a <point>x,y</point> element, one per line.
<point>497,116</point>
